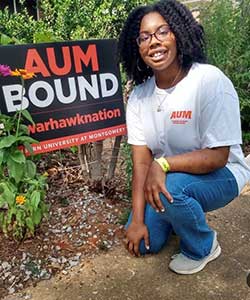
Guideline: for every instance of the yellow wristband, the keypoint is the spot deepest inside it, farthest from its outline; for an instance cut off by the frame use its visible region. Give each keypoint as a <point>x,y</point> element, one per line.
<point>163,163</point>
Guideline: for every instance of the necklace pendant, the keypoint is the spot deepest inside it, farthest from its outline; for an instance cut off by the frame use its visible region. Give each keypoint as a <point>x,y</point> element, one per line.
<point>158,109</point>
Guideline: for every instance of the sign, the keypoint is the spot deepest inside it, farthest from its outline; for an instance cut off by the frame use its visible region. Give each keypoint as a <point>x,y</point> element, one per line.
<point>76,96</point>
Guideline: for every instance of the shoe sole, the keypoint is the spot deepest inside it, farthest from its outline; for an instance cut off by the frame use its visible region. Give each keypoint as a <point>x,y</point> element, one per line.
<point>212,257</point>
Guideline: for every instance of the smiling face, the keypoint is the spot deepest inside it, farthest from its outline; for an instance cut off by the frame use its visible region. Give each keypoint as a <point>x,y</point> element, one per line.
<point>160,56</point>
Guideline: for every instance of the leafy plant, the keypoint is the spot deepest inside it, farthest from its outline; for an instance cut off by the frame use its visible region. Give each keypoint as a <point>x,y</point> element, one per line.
<point>66,20</point>
<point>126,149</point>
<point>123,218</point>
<point>22,189</point>
<point>227,28</point>
<point>246,137</point>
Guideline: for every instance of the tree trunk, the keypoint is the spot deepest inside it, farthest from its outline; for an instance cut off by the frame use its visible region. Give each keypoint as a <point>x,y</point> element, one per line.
<point>96,161</point>
<point>82,155</point>
<point>90,156</point>
<point>114,157</point>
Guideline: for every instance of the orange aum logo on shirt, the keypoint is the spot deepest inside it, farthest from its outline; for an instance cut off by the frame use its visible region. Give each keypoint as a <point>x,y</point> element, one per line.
<point>181,114</point>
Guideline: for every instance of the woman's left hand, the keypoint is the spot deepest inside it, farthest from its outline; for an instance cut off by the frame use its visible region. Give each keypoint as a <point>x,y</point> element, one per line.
<point>155,184</point>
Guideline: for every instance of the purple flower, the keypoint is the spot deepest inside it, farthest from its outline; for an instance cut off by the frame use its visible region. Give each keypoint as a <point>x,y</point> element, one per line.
<point>5,70</point>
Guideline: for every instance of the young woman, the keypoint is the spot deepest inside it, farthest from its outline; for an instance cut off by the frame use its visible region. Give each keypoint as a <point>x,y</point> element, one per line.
<point>183,123</point>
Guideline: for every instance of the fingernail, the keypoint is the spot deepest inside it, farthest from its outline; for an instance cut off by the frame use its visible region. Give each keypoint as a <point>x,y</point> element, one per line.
<point>171,201</point>
<point>147,247</point>
<point>157,210</point>
<point>163,209</point>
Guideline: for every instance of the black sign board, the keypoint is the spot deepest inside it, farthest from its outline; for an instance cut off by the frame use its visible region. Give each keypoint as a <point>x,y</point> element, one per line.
<point>76,96</point>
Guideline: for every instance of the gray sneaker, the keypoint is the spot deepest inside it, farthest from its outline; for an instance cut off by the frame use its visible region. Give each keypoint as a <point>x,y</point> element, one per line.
<point>181,264</point>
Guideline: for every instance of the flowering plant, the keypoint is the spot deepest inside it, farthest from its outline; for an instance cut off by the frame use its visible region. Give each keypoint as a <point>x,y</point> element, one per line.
<point>5,70</point>
<point>22,189</point>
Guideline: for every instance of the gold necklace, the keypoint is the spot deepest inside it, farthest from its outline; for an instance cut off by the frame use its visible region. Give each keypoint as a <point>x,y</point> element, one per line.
<point>159,108</point>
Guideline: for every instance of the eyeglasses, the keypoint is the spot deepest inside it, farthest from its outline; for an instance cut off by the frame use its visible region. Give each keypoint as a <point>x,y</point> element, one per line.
<point>145,38</point>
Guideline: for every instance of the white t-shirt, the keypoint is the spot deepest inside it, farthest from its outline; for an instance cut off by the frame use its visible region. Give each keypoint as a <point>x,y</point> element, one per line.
<point>201,111</point>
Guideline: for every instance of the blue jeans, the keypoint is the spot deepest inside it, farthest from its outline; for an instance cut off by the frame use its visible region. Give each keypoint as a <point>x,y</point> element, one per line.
<point>193,196</point>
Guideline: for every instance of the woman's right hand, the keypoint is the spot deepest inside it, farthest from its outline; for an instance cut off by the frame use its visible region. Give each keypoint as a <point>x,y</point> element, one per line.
<point>134,234</point>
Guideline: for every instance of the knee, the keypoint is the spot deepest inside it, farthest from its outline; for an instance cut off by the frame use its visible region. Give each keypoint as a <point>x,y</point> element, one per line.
<point>154,247</point>
<point>175,182</point>
<point>156,241</point>
<point>182,210</point>
<point>175,185</point>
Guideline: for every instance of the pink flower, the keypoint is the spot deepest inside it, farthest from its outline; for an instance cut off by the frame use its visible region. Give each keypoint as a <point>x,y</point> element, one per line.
<point>5,70</point>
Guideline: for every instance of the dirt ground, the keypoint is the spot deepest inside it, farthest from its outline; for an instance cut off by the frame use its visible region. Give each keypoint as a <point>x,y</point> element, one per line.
<point>77,252</point>
<point>84,220</point>
<point>116,275</point>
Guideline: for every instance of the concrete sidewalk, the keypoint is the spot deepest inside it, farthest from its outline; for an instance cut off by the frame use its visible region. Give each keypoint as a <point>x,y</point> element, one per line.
<point>116,275</point>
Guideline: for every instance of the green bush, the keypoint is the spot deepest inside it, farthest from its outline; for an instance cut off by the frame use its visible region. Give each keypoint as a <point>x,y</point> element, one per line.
<point>18,28</point>
<point>227,27</point>
<point>66,20</point>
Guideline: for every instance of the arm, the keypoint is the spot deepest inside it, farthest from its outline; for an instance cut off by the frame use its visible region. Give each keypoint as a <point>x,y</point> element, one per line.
<point>142,160</point>
<point>195,162</point>
<point>200,161</point>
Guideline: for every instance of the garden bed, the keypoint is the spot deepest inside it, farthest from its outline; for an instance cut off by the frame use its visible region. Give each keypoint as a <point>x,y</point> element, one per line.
<point>81,223</point>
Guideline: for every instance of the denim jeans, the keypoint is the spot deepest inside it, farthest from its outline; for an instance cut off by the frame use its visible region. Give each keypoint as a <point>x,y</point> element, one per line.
<point>193,196</point>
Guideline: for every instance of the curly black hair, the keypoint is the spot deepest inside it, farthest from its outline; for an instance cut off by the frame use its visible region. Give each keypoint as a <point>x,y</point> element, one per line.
<point>188,32</point>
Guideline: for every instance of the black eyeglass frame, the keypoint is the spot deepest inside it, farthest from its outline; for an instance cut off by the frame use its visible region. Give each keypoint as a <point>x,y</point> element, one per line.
<point>147,41</point>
